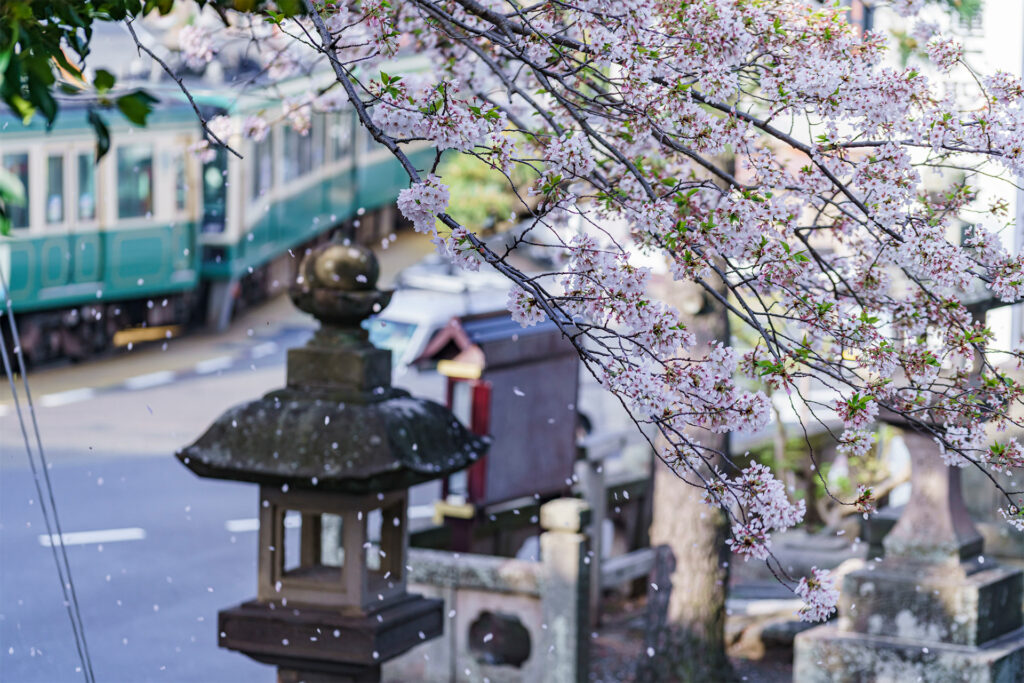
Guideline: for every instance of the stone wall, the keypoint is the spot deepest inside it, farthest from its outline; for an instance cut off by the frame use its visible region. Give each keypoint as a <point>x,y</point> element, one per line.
<point>506,620</point>
<point>475,588</point>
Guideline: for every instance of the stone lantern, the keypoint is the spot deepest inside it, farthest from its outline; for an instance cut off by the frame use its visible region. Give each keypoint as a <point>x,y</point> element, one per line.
<point>933,608</point>
<point>340,446</point>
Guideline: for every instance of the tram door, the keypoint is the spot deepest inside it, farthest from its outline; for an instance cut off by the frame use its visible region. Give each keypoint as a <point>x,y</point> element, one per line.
<point>215,196</point>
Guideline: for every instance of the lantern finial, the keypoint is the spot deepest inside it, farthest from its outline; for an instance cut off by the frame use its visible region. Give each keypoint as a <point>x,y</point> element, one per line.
<point>337,284</point>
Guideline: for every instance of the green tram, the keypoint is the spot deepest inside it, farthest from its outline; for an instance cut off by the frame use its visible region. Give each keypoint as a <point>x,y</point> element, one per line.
<point>151,240</point>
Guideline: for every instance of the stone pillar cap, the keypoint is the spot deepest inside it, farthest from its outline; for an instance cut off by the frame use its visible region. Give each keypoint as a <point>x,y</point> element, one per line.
<point>564,514</point>
<point>337,284</point>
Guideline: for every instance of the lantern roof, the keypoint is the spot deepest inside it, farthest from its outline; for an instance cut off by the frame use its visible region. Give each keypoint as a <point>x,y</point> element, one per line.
<point>338,425</point>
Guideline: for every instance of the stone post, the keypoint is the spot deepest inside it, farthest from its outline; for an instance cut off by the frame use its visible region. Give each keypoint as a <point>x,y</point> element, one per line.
<point>594,484</point>
<point>935,527</point>
<point>565,590</point>
<point>934,609</point>
<point>595,450</point>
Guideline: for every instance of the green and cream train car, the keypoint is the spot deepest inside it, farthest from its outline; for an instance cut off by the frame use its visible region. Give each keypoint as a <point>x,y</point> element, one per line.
<point>150,240</point>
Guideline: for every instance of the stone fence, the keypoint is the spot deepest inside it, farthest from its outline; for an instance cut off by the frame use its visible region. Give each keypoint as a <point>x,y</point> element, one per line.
<point>507,619</point>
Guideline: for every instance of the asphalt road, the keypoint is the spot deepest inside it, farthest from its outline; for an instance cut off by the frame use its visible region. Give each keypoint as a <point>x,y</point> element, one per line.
<point>149,604</point>
<point>155,551</point>
<point>151,546</point>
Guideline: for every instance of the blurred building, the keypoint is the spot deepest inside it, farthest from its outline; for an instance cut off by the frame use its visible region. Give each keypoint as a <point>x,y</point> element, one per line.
<point>993,39</point>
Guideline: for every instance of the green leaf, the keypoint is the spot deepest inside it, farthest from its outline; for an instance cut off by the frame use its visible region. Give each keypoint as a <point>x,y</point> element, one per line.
<point>162,6</point>
<point>22,107</point>
<point>102,133</point>
<point>11,189</point>
<point>12,193</point>
<point>104,81</point>
<point>136,106</point>
<point>290,8</point>
<point>5,57</point>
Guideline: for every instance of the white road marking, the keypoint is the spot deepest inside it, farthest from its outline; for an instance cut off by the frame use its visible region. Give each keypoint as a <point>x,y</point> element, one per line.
<point>153,379</point>
<point>212,365</point>
<point>264,349</point>
<point>3,411</point>
<point>65,397</point>
<point>100,536</point>
<point>237,526</point>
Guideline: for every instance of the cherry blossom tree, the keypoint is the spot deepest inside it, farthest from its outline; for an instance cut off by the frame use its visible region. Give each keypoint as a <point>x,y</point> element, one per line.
<point>828,235</point>
<point>767,150</point>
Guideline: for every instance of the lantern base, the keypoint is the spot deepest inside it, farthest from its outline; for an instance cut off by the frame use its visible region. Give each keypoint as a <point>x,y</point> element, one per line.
<point>339,646</point>
<point>352,674</point>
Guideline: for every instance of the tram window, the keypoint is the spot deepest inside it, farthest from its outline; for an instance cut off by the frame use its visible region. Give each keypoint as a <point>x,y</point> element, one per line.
<point>86,187</point>
<point>290,155</point>
<point>55,188</point>
<point>174,162</point>
<point>298,154</point>
<point>262,167</point>
<point>319,123</point>
<point>341,136</point>
<point>17,165</point>
<point>134,181</point>
<point>367,141</point>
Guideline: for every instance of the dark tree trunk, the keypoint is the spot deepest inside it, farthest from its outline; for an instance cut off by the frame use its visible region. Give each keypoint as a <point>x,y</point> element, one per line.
<point>692,646</point>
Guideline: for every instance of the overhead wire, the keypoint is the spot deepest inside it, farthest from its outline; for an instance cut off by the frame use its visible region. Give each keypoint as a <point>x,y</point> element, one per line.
<point>67,584</point>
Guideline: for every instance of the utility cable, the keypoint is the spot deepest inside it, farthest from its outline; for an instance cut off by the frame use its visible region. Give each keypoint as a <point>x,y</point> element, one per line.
<point>67,584</point>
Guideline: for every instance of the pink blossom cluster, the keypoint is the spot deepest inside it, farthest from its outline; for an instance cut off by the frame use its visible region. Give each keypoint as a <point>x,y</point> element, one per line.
<point>907,8</point>
<point>1014,515</point>
<point>750,540</point>
<point>280,54</point>
<point>423,203</point>
<point>945,52</point>
<point>220,126</point>
<point>602,285</point>
<point>1005,457</point>
<point>857,411</point>
<point>819,594</point>
<point>766,497</point>
<point>255,128</point>
<point>458,247</point>
<point>865,501</point>
<point>762,507</point>
<point>524,307</point>
<point>196,45</point>
<point>439,114</point>
<point>569,156</point>
<point>959,445</point>
<point>855,443</point>
<point>298,111</point>
<point>1008,279</point>
<point>927,253</point>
